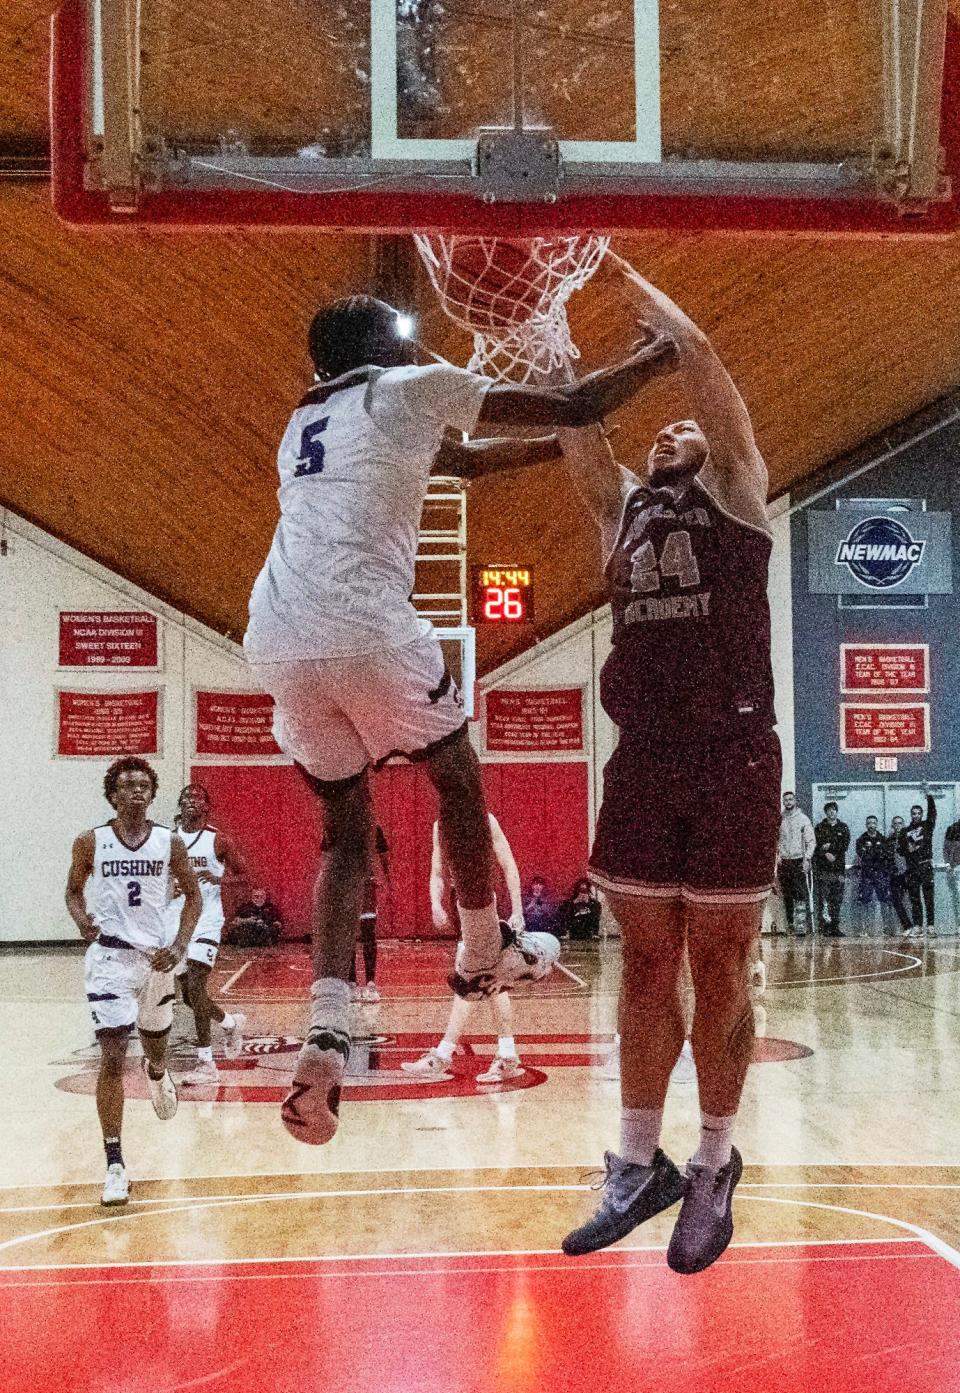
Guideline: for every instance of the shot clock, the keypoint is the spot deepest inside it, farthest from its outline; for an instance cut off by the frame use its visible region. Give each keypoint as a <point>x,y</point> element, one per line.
<point>502,594</point>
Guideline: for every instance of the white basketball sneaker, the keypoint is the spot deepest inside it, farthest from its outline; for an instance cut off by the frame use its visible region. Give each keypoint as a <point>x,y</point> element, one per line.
<point>116,1187</point>
<point>205,1075</point>
<point>311,1110</point>
<point>524,957</point>
<point>503,1068</point>
<point>163,1093</point>
<point>233,1038</point>
<point>429,1066</point>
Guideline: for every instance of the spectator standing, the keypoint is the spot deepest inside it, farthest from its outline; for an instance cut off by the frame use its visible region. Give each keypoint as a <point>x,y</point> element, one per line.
<point>898,875</point>
<point>580,914</point>
<point>795,850</point>
<point>873,861</point>
<point>951,852</point>
<point>830,869</point>
<point>539,908</point>
<point>256,923</point>
<point>916,847</point>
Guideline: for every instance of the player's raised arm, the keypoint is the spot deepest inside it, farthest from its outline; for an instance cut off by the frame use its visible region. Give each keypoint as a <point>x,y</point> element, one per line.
<point>470,459</point>
<point>583,402</point>
<point>81,869</point>
<point>735,470</point>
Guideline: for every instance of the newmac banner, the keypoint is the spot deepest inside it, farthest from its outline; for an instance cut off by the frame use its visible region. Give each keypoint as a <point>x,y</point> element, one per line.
<point>897,552</point>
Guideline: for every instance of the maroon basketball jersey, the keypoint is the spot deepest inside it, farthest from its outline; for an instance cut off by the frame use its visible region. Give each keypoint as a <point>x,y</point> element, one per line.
<point>691,621</point>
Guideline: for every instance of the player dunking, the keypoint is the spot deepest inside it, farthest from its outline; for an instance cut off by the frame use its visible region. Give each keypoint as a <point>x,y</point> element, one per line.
<point>214,858</point>
<point>357,676</point>
<point>689,684</point>
<point>128,969</point>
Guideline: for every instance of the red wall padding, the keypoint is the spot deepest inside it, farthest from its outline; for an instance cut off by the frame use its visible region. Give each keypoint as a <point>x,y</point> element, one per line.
<point>542,808</point>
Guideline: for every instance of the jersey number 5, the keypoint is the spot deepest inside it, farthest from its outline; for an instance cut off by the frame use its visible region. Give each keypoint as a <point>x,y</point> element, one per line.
<point>676,559</point>
<point>312,449</point>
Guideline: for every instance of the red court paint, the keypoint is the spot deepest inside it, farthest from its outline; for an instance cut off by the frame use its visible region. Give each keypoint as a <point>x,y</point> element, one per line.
<point>262,1074</point>
<point>847,1318</point>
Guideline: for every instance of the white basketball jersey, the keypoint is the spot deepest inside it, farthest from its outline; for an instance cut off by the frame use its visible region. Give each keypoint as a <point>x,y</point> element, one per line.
<point>202,850</point>
<point>127,893</point>
<point>354,466</point>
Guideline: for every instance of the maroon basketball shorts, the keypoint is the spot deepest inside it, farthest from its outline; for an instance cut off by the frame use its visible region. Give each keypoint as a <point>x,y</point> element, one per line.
<point>689,819</point>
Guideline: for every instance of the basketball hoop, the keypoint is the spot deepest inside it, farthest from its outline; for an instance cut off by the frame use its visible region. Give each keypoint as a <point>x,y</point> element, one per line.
<point>512,296</point>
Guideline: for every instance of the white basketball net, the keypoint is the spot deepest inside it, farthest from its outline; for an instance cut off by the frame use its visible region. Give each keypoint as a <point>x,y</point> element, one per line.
<point>512,296</point>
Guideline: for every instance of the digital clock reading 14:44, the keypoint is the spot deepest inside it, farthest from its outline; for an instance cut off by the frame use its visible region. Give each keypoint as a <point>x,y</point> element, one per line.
<point>502,594</point>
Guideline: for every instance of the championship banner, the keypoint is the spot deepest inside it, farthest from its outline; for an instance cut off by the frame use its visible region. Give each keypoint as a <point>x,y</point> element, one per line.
<point>95,638</point>
<point>234,724</point>
<point>885,667</point>
<point>549,721</point>
<point>880,551</point>
<point>897,728</point>
<point>97,725</point>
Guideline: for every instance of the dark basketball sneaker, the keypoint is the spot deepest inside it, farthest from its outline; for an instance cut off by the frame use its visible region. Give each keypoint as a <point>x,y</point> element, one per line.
<point>311,1110</point>
<point>704,1225</point>
<point>632,1194</point>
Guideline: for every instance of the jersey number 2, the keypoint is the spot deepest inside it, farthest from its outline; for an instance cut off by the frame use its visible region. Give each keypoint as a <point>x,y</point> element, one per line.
<point>312,450</point>
<point>133,893</point>
<point>676,559</point>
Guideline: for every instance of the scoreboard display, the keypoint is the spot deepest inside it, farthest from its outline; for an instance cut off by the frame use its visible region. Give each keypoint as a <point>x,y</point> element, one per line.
<point>502,594</point>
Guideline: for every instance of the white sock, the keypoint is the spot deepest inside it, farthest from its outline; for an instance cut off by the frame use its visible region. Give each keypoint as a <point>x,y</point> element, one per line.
<point>228,1022</point>
<point>330,1005</point>
<point>716,1141</point>
<point>506,1047</point>
<point>640,1134</point>
<point>205,1054</point>
<point>446,1049</point>
<point>481,938</point>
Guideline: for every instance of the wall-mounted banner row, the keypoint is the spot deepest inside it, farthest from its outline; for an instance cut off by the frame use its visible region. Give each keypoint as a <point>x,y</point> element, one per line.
<point>893,727</point>
<point>885,667</point>
<point>108,639</point>
<point>101,725</point>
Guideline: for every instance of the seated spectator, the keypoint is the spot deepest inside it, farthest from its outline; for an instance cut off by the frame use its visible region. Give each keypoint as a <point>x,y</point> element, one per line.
<point>579,916</point>
<point>951,854</point>
<point>539,908</point>
<point>256,923</point>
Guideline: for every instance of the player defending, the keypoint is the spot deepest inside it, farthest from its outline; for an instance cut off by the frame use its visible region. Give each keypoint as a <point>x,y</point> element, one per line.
<point>214,858</point>
<point>356,675</point>
<point>435,1064</point>
<point>689,684</point>
<point>128,969</point>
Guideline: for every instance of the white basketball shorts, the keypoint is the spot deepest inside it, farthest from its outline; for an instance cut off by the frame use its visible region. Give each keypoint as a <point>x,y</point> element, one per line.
<point>123,991</point>
<point>336,716</point>
<point>202,948</point>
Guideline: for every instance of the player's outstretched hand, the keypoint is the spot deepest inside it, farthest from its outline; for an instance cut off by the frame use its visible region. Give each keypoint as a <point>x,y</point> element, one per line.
<point>516,922</point>
<point>208,878</point>
<point>657,349</point>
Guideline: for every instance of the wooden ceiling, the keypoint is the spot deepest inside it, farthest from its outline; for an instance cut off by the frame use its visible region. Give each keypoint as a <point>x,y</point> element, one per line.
<point>145,377</point>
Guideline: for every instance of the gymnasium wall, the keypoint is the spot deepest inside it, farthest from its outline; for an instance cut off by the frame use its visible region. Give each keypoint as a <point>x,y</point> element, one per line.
<point>45,800</point>
<point>917,464</point>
